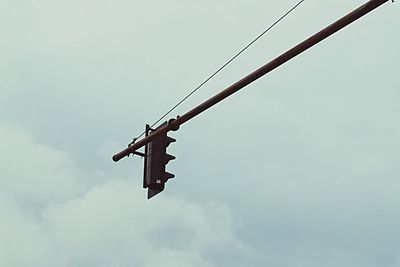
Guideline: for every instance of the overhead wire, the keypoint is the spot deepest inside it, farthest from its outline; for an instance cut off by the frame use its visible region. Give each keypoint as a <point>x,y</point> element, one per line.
<point>224,65</point>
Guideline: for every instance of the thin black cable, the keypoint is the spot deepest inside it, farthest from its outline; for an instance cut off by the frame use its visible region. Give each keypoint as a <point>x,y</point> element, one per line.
<point>223,66</point>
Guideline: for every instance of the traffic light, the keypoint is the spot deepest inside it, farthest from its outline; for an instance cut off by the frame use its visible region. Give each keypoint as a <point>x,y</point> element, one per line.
<point>155,160</point>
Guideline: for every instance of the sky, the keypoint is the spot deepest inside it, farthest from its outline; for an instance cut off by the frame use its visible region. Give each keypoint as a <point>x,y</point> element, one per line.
<point>298,169</point>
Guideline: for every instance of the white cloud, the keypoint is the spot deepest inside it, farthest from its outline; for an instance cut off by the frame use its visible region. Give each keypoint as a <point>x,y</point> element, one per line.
<point>48,218</point>
<point>35,174</point>
<point>24,242</point>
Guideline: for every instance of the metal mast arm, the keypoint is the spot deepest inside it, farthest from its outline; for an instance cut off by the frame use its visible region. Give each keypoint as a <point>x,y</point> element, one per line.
<point>288,55</point>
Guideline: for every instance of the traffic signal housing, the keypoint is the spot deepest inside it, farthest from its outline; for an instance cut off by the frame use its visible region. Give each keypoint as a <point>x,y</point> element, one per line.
<point>155,161</point>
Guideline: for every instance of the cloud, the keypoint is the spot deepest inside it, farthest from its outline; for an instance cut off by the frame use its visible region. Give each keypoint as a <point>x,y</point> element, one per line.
<point>32,173</point>
<point>299,169</point>
<point>49,218</point>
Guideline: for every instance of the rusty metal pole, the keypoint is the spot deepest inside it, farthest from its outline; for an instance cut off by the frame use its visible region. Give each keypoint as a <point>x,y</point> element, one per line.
<point>293,52</point>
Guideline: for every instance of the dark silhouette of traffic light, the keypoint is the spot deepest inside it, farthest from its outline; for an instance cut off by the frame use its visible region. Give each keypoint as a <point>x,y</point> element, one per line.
<point>155,161</point>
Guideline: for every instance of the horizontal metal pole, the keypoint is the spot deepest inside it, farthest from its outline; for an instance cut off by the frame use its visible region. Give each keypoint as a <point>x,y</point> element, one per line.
<point>288,55</point>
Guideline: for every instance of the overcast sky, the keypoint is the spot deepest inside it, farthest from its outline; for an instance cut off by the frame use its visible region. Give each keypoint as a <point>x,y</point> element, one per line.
<point>300,168</point>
